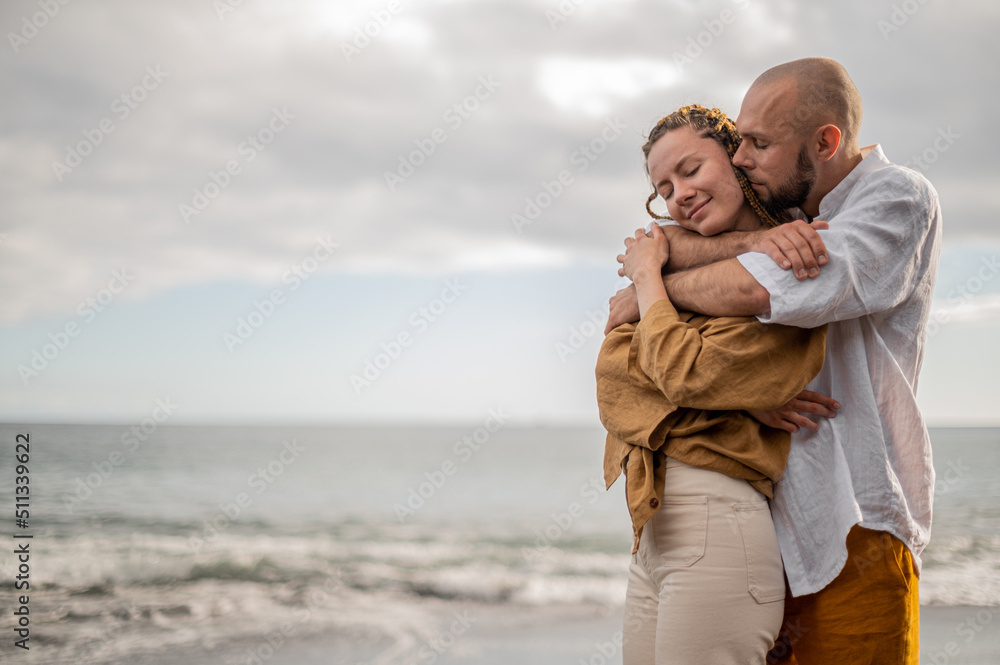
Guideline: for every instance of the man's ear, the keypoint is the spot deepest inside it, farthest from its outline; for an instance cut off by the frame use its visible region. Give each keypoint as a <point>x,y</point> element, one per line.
<point>827,142</point>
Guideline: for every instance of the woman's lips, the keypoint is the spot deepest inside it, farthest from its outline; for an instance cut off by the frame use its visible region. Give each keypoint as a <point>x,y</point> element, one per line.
<point>699,208</point>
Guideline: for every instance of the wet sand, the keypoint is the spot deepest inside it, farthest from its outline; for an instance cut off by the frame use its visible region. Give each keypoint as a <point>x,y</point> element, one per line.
<point>584,635</point>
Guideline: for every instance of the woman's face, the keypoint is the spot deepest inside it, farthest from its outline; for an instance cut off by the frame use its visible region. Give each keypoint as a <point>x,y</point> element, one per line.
<point>694,176</point>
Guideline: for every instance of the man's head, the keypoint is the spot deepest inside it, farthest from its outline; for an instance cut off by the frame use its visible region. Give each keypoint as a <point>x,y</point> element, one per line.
<point>800,123</point>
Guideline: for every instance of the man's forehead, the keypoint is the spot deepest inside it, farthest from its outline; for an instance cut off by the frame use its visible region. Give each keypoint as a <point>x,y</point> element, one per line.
<point>766,108</point>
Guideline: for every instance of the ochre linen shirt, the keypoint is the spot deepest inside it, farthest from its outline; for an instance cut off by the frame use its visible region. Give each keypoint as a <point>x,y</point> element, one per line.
<point>676,384</point>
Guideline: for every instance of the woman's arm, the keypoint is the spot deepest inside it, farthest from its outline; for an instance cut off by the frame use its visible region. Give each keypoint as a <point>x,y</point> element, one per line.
<point>723,363</point>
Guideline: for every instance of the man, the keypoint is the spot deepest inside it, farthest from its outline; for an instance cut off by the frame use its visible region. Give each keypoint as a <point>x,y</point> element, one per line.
<point>853,510</point>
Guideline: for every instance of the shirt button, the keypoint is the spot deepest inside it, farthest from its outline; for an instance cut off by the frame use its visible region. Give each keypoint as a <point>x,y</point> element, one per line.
<point>654,502</point>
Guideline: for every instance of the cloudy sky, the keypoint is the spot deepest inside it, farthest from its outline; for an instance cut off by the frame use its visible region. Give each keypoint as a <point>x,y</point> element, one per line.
<point>322,212</point>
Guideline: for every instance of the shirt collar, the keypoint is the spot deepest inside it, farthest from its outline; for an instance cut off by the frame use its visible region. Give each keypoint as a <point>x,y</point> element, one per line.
<point>832,202</point>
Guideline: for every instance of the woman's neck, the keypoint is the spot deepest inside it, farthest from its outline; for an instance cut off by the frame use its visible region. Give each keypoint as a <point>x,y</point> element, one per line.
<point>747,219</point>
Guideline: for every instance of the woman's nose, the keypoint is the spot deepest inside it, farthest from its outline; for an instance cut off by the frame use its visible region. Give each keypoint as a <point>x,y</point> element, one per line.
<point>684,192</point>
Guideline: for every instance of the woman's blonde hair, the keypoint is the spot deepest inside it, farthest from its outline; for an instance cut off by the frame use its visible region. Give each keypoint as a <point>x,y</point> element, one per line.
<point>711,123</point>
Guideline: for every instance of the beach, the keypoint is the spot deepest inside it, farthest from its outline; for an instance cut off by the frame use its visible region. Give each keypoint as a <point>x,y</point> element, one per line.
<point>369,546</point>
<point>556,636</point>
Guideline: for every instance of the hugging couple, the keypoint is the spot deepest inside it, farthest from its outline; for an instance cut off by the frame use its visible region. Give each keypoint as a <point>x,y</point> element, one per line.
<point>794,276</point>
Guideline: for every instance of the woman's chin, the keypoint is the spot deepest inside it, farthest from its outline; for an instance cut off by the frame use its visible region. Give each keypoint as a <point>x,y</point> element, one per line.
<point>705,227</point>
<point>688,225</point>
<point>709,228</point>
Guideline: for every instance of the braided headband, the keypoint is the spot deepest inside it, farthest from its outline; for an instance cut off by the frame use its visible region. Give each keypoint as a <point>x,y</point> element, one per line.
<point>722,127</point>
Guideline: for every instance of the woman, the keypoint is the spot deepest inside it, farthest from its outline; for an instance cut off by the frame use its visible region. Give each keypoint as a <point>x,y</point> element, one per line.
<point>706,582</point>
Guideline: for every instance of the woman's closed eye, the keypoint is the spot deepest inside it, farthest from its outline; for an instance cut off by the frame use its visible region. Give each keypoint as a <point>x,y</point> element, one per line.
<point>689,174</point>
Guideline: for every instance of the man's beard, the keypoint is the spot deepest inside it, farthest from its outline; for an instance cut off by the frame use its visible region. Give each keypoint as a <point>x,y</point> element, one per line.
<point>793,192</point>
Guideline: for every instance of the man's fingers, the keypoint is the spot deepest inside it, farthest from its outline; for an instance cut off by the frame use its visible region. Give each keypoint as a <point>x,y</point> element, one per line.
<point>802,406</point>
<point>775,418</point>
<point>623,307</point>
<point>787,425</point>
<point>798,233</point>
<point>814,240</point>
<point>820,398</point>
<point>613,318</point>
<point>776,255</point>
<point>820,225</point>
<point>791,252</point>
<point>802,421</point>
<point>612,324</point>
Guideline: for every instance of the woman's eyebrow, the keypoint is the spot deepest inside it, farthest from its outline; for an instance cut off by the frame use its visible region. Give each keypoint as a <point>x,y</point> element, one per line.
<point>679,167</point>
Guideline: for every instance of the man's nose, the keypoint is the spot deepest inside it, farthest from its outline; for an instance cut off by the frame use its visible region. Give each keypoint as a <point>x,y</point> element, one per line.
<point>740,158</point>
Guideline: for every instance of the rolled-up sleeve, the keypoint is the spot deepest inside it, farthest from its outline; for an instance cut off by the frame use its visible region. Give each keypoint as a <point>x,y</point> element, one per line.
<point>637,416</point>
<point>730,363</point>
<point>874,258</point>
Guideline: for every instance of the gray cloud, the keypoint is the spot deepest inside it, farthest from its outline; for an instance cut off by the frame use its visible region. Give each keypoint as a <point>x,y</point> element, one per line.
<point>325,173</point>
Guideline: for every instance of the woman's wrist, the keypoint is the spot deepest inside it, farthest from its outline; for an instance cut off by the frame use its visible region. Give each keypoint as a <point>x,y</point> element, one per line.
<point>649,290</point>
<point>647,272</point>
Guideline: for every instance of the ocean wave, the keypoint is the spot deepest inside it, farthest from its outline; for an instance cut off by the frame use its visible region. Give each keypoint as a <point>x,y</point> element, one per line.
<point>108,596</point>
<point>961,570</point>
<point>419,562</point>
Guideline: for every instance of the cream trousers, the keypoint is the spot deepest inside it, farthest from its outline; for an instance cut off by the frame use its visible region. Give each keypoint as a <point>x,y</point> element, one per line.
<point>706,585</point>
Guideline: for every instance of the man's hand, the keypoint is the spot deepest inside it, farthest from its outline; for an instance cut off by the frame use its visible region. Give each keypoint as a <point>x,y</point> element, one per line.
<point>789,417</point>
<point>795,245</point>
<point>624,308</point>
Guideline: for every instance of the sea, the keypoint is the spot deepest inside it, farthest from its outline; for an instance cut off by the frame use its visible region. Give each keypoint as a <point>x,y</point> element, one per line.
<point>166,544</point>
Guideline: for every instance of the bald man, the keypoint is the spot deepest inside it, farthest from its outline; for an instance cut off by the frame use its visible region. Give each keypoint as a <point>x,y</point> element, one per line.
<point>853,510</point>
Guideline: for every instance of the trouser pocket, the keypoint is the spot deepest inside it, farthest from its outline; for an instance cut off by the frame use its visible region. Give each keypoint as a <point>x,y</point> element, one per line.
<point>680,529</point>
<point>765,575</point>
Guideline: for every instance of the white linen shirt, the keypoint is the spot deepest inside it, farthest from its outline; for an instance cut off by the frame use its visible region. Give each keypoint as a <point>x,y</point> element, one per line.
<point>872,463</point>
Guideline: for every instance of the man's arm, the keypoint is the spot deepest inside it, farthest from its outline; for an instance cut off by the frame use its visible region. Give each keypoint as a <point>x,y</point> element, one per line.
<point>795,246</point>
<point>723,363</point>
<point>692,250</point>
<point>725,288</point>
<point>882,248</point>
<point>875,245</point>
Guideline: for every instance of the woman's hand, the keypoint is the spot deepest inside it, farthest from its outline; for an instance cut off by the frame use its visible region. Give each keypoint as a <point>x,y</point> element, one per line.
<point>645,255</point>
<point>789,417</point>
